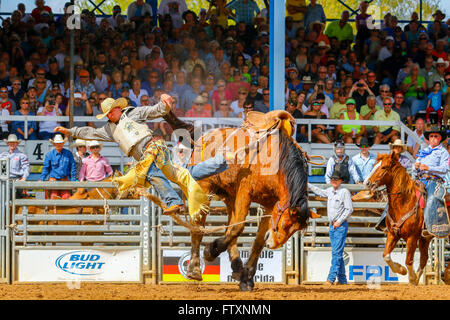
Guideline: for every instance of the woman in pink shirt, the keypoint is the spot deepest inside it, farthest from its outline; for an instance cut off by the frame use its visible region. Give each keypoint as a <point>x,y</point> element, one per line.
<point>95,167</point>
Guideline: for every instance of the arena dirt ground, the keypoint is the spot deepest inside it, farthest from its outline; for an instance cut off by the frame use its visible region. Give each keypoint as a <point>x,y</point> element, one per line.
<point>194,291</point>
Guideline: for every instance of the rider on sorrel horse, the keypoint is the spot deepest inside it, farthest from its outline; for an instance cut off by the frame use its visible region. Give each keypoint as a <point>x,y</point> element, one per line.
<point>405,214</point>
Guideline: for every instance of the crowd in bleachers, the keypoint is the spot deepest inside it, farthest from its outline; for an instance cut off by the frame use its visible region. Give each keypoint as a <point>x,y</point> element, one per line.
<point>215,68</point>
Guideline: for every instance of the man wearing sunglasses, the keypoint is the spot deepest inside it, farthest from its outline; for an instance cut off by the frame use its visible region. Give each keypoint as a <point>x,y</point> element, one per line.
<point>16,93</point>
<point>385,134</point>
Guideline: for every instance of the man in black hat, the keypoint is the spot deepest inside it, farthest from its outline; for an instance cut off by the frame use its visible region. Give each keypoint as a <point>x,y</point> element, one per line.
<point>339,208</point>
<point>431,166</point>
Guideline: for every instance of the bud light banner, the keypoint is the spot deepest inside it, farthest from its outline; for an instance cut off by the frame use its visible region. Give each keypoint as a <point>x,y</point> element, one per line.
<point>79,265</point>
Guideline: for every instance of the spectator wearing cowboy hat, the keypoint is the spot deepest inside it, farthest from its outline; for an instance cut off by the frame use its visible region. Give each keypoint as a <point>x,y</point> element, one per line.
<point>198,109</point>
<point>79,153</point>
<point>59,165</point>
<point>439,73</point>
<point>399,147</point>
<point>95,167</point>
<point>19,166</point>
<point>340,207</point>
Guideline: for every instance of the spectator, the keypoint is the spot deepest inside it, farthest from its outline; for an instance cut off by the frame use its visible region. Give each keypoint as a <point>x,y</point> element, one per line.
<point>50,110</point>
<point>193,60</point>
<point>16,93</point>
<point>220,94</point>
<point>428,70</point>
<point>18,127</point>
<point>198,109</point>
<point>364,160</point>
<point>137,10</point>
<point>59,165</point>
<point>81,108</point>
<point>359,92</point>
<point>137,92</point>
<point>237,84</point>
<point>294,82</point>
<point>101,81</point>
<point>318,131</point>
<point>34,102</point>
<point>174,8</point>
<point>84,85</point>
<point>385,134</point>
<point>340,29</point>
<point>385,92</point>
<point>414,87</point>
<point>40,74</point>
<point>221,12</point>
<point>399,147</point>
<point>338,107</point>
<point>5,101</point>
<point>362,28</point>
<point>440,65</point>
<point>151,83</point>
<point>340,207</point>
<point>19,166</point>
<point>263,105</point>
<point>402,109</point>
<point>115,88</point>
<point>244,10</point>
<point>411,145</point>
<point>54,75</point>
<point>387,50</point>
<point>95,167</point>
<point>79,154</point>
<point>237,106</point>
<point>314,12</point>
<point>224,110</point>
<point>368,112</point>
<point>41,9</point>
<point>347,132</point>
<point>372,83</point>
<point>187,99</point>
<point>342,163</point>
<point>434,103</point>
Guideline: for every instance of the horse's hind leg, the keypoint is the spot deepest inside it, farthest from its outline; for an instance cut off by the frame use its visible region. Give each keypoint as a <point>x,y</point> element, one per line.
<point>424,244</point>
<point>411,246</point>
<point>391,241</point>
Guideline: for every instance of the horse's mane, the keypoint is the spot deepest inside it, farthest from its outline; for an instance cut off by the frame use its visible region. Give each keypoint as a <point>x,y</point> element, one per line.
<point>294,166</point>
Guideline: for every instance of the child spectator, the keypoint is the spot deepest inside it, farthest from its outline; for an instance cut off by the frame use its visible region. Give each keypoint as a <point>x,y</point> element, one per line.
<point>434,102</point>
<point>95,167</point>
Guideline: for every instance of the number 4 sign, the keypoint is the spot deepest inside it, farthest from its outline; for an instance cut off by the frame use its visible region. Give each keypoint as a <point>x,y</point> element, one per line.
<point>36,151</point>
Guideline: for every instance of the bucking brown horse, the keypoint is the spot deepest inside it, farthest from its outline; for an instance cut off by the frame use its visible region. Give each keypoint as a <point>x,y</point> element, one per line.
<point>273,173</point>
<point>405,218</point>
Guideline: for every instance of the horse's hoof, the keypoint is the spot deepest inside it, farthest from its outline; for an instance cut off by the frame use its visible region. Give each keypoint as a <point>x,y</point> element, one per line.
<point>194,276</point>
<point>403,271</point>
<point>245,287</point>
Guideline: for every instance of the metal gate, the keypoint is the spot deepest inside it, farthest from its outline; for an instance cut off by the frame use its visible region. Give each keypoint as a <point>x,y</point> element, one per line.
<point>70,244</point>
<point>4,221</point>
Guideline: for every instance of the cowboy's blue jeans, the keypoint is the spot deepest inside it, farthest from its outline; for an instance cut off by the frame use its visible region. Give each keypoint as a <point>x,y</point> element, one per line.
<point>163,187</point>
<point>337,239</point>
<point>208,167</point>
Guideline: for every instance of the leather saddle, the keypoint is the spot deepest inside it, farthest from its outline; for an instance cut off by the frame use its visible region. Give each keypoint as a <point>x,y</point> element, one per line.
<point>277,119</point>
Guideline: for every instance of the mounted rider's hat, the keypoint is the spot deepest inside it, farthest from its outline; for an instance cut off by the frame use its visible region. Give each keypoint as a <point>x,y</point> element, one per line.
<point>435,129</point>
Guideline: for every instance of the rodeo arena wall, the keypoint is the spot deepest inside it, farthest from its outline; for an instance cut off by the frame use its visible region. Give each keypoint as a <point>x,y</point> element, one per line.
<point>129,240</point>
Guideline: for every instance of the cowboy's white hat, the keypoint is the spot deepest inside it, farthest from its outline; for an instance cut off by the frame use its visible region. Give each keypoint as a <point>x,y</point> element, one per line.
<point>397,143</point>
<point>12,138</point>
<point>441,61</point>
<point>78,143</point>
<point>58,139</point>
<point>109,103</point>
<point>93,143</point>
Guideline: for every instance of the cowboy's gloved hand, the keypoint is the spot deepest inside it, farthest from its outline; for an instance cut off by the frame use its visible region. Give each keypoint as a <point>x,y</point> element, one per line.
<point>166,99</point>
<point>62,130</point>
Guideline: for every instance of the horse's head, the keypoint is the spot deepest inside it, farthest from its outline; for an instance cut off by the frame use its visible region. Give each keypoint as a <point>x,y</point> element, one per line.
<point>380,174</point>
<point>284,222</point>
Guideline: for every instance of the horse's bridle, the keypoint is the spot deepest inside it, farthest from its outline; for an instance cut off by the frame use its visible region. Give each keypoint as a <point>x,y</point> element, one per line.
<point>280,212</point>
